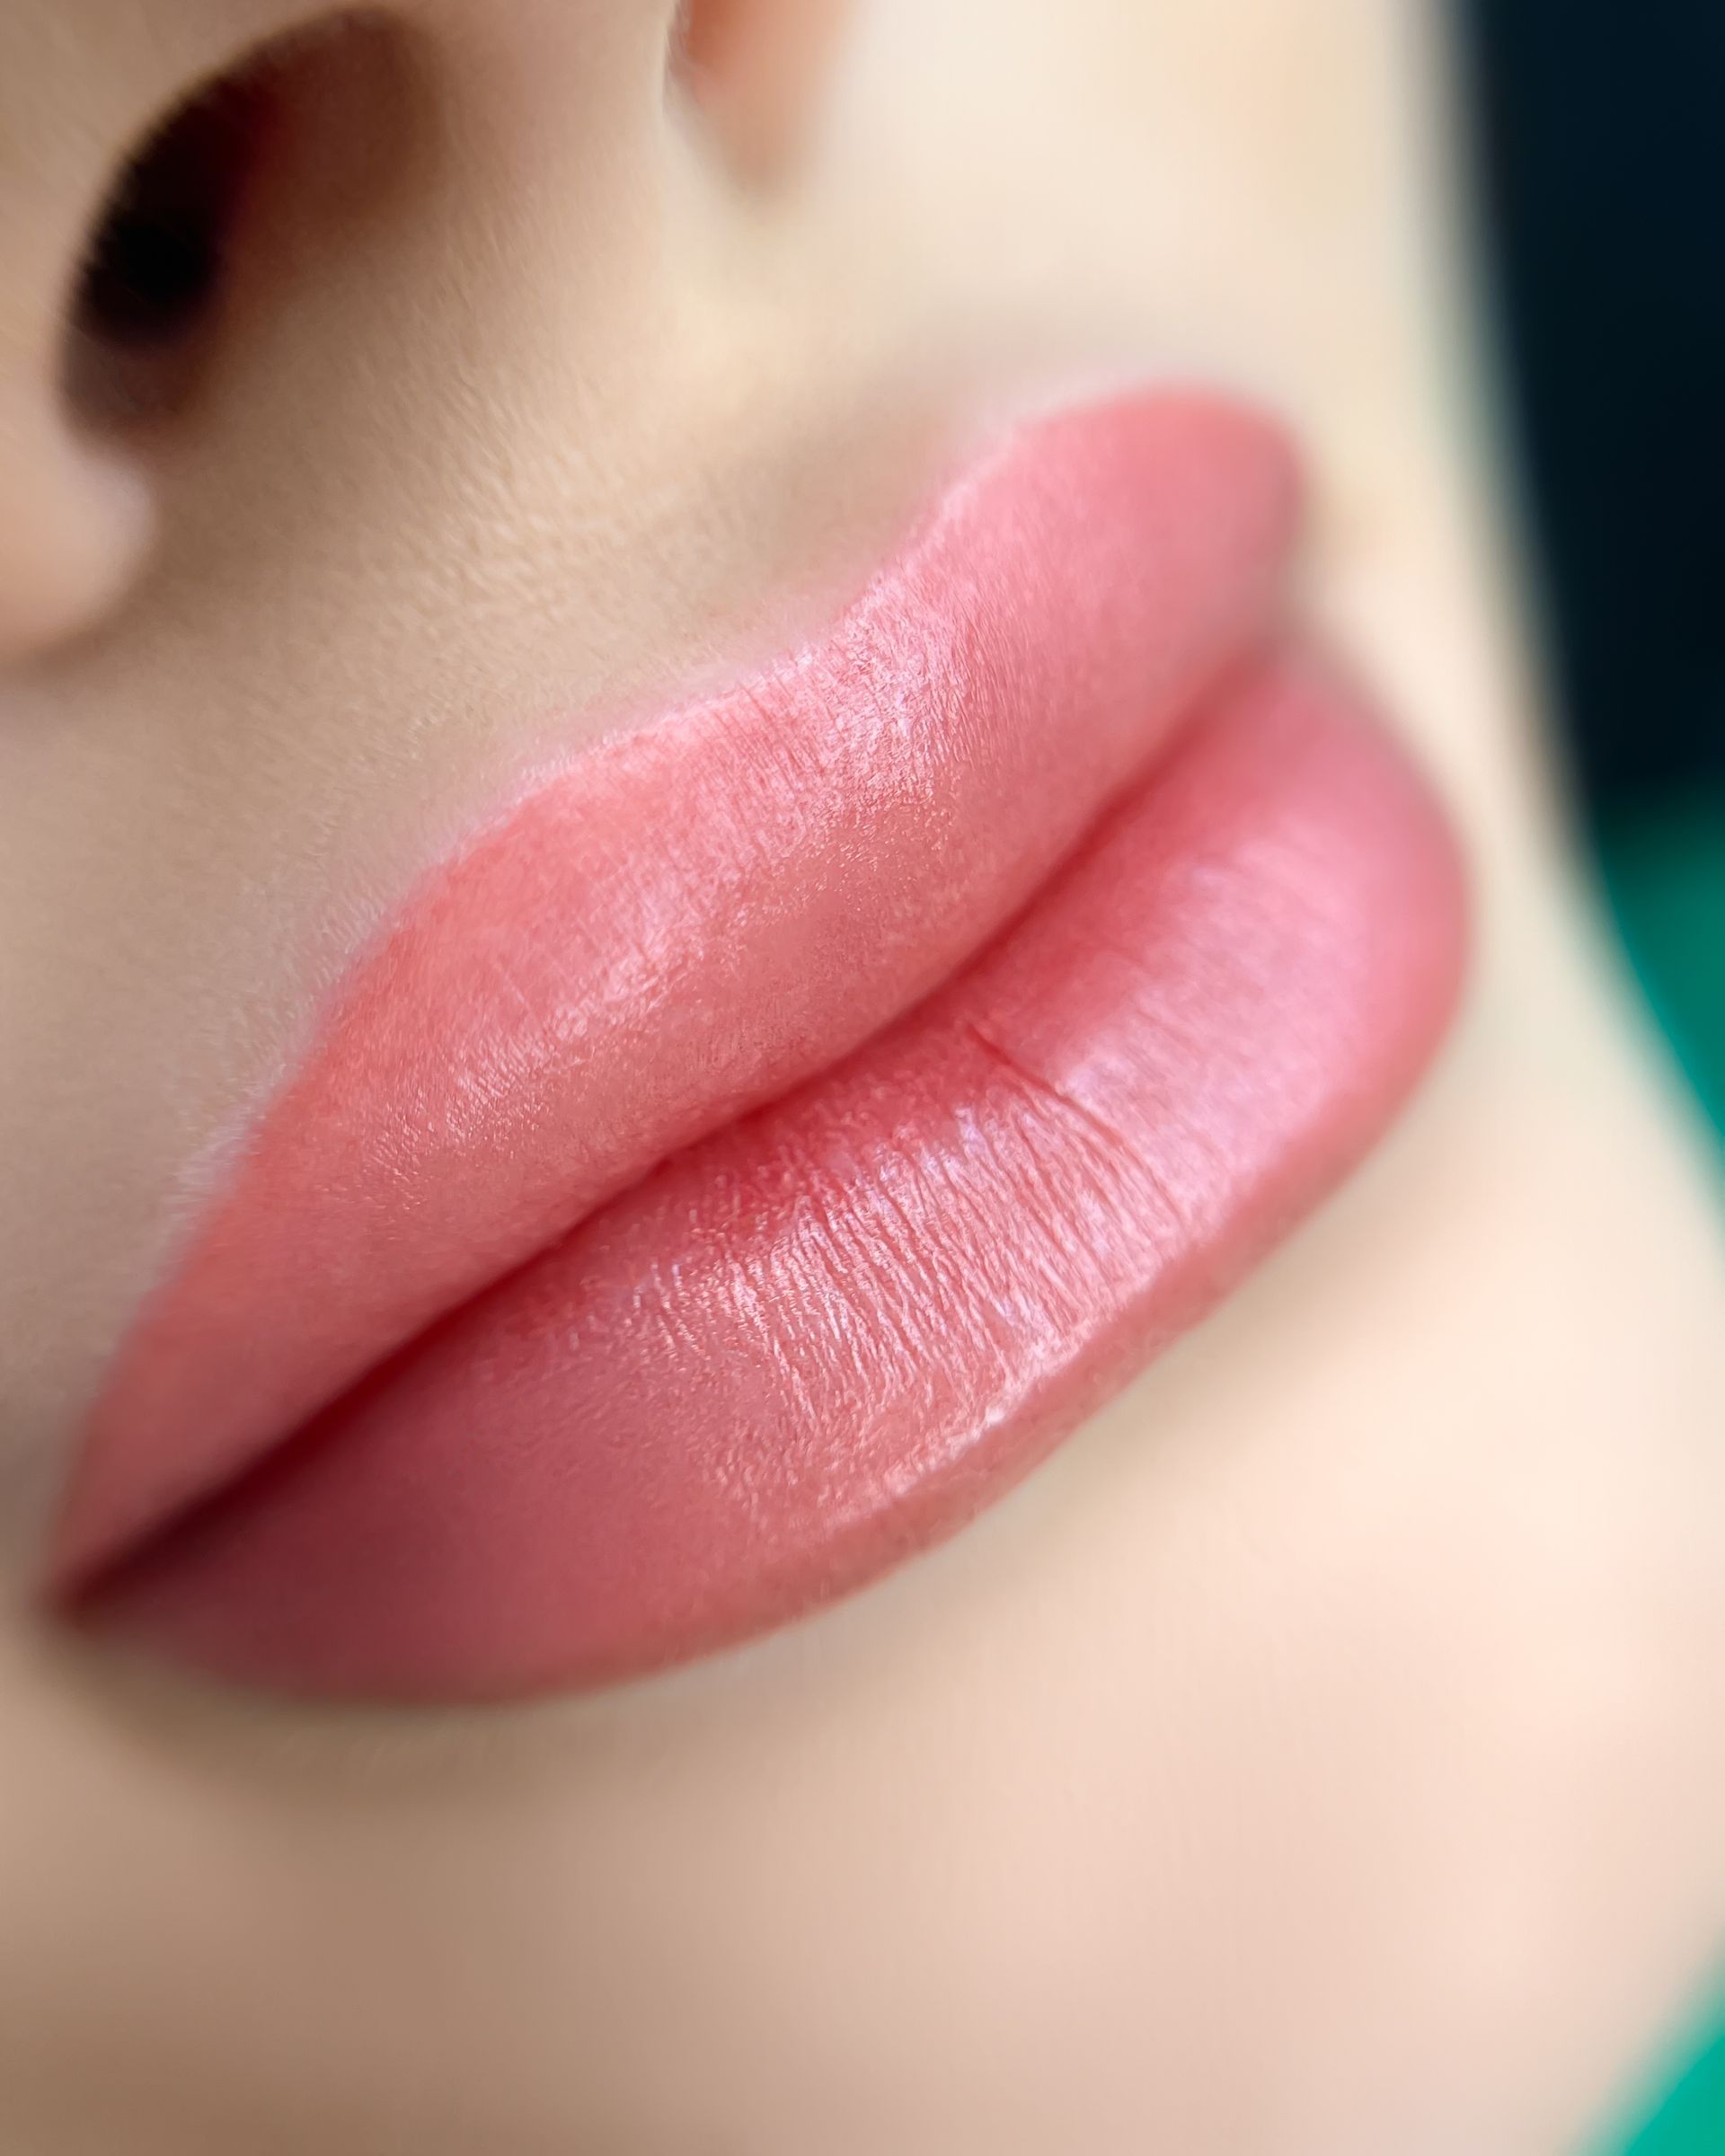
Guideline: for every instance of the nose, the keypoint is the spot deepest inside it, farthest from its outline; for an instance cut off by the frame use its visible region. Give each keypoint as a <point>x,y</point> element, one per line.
<point>126,140</point>
<point>160,189</point>
<point>75,523</point>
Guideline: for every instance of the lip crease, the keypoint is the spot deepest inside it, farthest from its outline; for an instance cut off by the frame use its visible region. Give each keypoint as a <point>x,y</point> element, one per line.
<point>770,1135</point>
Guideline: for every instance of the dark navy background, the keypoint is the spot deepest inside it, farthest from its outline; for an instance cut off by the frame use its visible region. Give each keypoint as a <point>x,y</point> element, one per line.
<point>1601,149</point>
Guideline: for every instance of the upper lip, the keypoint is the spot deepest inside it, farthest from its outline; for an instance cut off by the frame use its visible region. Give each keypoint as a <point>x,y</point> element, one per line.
<point>692,917</point>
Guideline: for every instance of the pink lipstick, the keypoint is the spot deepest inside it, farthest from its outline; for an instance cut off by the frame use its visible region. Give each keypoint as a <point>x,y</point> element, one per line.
<point>776,1129</point>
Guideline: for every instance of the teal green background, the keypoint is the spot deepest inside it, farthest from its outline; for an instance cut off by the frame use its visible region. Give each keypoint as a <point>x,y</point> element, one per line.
<point>1691,2120</point>
<point>1665,871</point>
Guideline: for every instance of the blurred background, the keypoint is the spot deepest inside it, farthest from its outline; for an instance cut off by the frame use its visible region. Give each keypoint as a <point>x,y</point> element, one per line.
<point>1601,138</point>
<point>1601,190</point>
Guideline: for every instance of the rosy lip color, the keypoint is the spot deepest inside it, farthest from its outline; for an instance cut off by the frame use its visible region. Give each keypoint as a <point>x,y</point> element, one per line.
<point>775,1130</point>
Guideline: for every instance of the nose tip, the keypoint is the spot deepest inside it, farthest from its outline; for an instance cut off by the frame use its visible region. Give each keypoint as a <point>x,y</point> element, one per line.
<point>76,520</point>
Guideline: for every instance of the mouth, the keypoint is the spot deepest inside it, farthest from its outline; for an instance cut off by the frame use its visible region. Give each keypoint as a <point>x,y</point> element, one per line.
<point>777,1127</point>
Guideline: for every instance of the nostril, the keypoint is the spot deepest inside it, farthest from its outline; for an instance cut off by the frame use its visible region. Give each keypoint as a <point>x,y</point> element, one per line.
<point>178,243</point>
<point>151,282</point>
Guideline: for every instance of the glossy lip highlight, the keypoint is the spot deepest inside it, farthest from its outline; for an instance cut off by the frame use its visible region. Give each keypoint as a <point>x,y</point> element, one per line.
<point>859,1288</point>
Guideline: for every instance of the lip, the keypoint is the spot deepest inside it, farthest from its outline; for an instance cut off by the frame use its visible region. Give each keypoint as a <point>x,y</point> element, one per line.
<point>778,1125</point>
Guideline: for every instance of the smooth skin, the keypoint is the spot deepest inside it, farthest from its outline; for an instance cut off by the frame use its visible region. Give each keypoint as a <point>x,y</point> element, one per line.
<point>1327,1752</point>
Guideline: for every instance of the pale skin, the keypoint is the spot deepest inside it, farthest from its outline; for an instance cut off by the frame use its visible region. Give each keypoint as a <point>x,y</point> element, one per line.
<point>1326,1752</point>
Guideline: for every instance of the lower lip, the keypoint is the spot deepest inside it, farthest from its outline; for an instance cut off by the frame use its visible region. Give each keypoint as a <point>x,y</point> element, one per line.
<point>830,1332</point>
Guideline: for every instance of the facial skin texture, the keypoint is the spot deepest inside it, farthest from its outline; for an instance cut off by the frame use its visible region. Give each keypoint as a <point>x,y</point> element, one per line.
<point>1324,1754</point>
